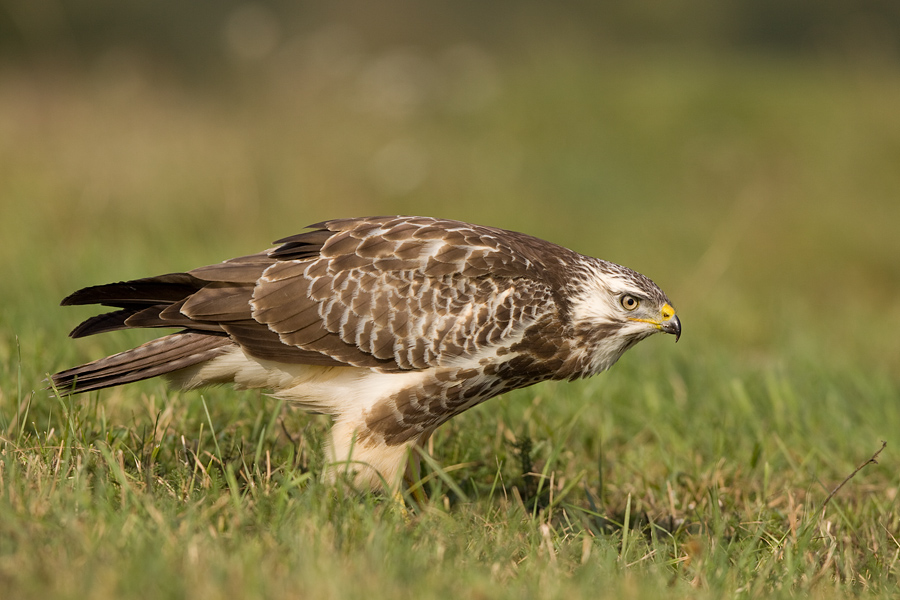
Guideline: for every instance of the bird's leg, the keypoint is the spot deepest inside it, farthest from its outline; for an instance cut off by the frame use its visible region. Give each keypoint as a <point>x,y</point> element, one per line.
<point>412,480</point>
<point>414,468</point>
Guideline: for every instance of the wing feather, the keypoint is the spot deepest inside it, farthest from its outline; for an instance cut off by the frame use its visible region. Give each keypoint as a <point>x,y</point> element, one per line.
<point>219,302</point>
<point>393,293</point>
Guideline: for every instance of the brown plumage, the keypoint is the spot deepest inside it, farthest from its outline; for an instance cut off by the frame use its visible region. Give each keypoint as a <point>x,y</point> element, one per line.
<point>390,324</point>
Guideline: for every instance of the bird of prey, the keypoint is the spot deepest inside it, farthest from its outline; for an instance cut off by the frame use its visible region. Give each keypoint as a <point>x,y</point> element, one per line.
<point>391,325</point>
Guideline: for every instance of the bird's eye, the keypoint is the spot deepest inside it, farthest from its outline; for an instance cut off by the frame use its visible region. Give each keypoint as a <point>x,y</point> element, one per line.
<point>629,302</point>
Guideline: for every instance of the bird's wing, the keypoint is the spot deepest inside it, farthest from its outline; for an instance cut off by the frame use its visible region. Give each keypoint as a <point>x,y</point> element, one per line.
<point>396,293</point>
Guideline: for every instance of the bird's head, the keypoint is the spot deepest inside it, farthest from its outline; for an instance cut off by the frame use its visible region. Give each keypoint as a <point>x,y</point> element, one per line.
<point>615,308</point>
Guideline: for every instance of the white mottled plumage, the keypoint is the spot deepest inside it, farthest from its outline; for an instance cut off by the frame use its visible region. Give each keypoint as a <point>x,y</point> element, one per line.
<point>391,325</point>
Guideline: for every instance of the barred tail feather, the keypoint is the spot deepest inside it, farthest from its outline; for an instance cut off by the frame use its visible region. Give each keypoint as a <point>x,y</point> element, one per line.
<point>157,357</point>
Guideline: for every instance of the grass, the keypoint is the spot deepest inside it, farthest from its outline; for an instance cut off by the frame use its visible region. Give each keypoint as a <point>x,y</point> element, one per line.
<point>176,501</point>
<point>760,194</point>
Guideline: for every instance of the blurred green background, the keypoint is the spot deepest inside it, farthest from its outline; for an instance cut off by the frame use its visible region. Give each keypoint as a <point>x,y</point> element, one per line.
<point>744,155</point>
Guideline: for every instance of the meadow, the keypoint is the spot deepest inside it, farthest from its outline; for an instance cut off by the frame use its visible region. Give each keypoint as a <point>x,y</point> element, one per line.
<point>760,193</point>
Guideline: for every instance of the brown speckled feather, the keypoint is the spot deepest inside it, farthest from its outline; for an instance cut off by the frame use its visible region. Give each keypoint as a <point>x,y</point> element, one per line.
<point>403,293</point>
<point>392,293</point>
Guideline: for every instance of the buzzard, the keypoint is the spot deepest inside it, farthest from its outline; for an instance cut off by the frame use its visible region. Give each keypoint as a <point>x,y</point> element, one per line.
<point>391,325</point>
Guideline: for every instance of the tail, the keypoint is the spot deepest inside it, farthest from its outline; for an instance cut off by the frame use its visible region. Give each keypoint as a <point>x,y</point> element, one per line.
<point>157,357</point>
<point>142,303</point>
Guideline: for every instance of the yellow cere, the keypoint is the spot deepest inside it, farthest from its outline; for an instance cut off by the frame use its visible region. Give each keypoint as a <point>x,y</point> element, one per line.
<point>667,312</point>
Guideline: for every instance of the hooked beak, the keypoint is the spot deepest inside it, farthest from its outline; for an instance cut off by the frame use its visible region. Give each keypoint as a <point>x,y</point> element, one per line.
<point>673,326</point>
<point>667,323</point>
